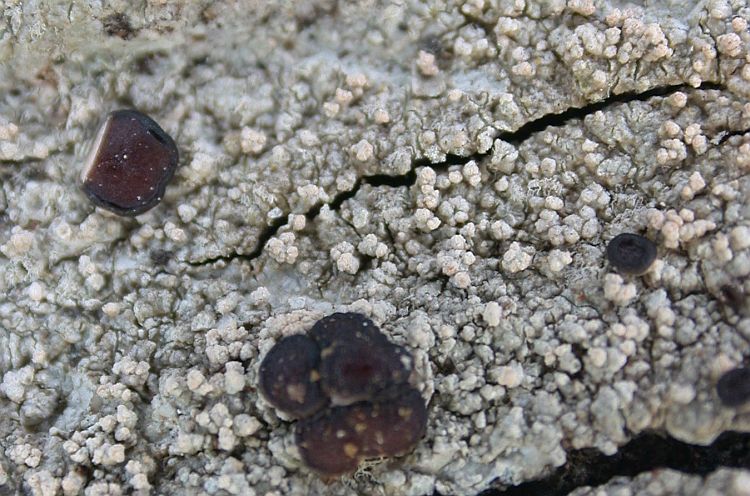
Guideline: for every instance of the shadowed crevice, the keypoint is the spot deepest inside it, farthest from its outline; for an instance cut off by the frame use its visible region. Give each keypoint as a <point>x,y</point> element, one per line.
<point>556,120</point>
<point>732,134</point>
<point>645,453</point>
<point>270,231</point>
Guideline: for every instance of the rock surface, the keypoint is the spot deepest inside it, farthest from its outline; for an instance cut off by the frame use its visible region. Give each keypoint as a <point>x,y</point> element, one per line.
<point>452,170</point>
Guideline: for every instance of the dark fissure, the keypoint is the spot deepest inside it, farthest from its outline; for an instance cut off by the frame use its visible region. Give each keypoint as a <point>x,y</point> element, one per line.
<point>645,453</point>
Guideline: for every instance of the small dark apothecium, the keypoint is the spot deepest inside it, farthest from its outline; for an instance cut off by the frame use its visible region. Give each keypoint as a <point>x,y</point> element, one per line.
<point>631,254</point>
<point>336,440</point>
<point>327,443</point>
<point>351,371</point>
<point>357,360</point>
<point>289,377</point>
<point>130,164</point>
<point>733,387</point>
<point>345,326</point>
<point>393,424</point>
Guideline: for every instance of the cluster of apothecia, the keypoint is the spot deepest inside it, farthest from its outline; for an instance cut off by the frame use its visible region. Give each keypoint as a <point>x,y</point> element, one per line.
<point>348,386</point>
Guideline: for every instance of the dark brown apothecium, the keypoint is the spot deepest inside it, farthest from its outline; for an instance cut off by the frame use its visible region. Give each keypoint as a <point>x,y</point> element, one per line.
<point>335,441</point>
<point>357,360</point>
<point>345,326</point>
<point>130,164</point>
<point>289,376</point>
<point>392,425</point>
<point>327,443</point>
